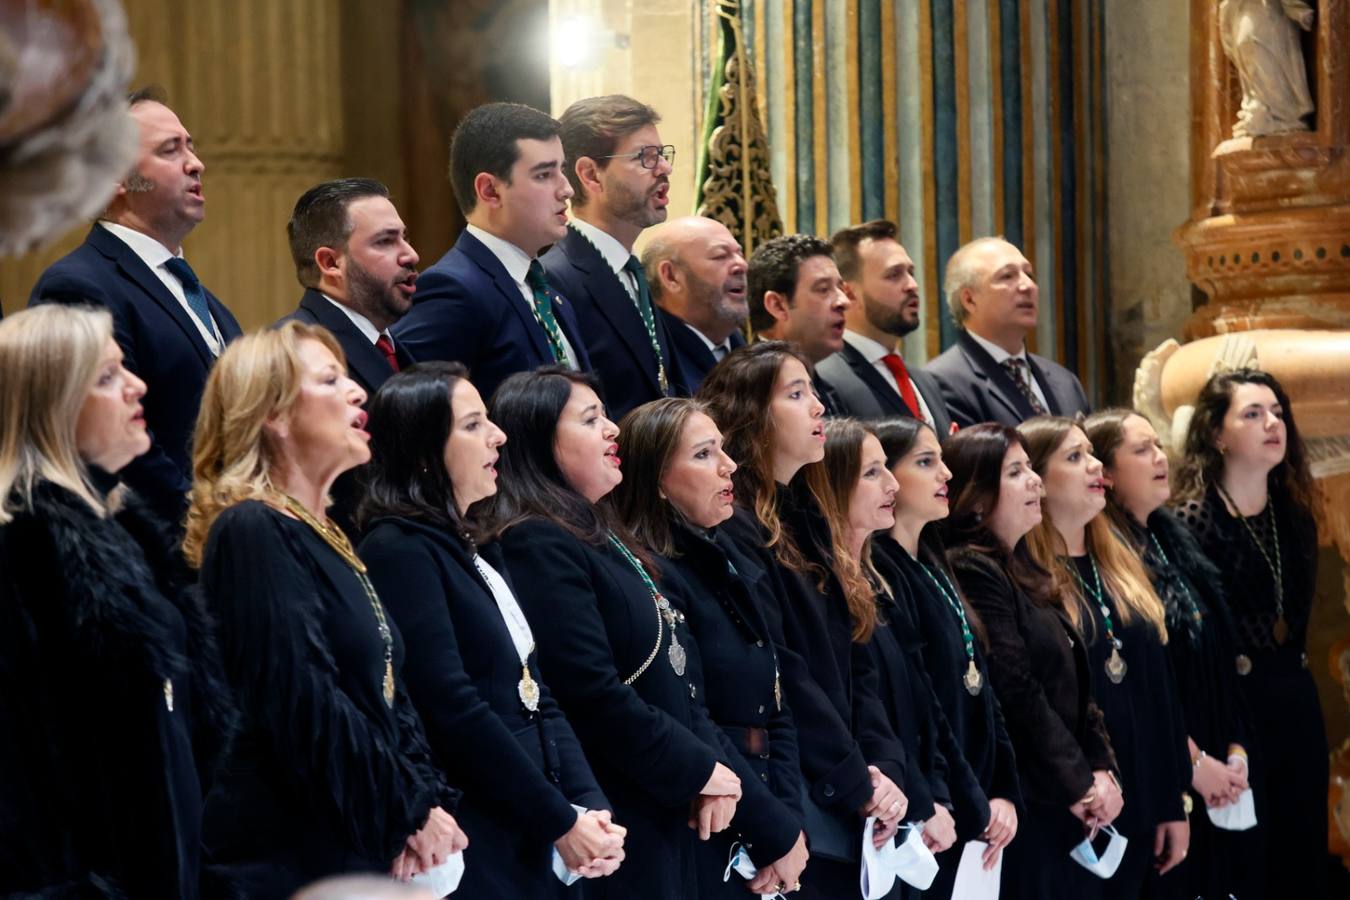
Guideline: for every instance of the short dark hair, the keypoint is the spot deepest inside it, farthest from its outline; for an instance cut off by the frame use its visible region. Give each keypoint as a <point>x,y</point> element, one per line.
<point>150,93</point>
<point>320,220</point>
<point>846,242</point>
<point>411,417</point>
<point>594,126</point>
<point>773,267</point>
<point>485,141</point>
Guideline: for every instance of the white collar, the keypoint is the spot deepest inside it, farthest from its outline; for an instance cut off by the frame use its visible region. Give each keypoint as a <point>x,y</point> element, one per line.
<point>152,252</point>
<point>871,350</point>
<point>515,260</point>
<point>606,243</point>
<point>997,352</point>
<point>363,325</point>
<point>707,341</point>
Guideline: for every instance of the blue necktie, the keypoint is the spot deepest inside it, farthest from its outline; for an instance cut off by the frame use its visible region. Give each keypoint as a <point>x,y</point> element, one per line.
<point>192,290</point>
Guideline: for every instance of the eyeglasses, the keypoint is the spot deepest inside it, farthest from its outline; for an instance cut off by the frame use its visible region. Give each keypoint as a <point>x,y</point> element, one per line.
<point>648,155</point>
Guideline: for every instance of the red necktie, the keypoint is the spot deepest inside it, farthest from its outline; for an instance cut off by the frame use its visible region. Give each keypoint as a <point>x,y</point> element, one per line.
<point>386,346</point>
<point>897,367</point>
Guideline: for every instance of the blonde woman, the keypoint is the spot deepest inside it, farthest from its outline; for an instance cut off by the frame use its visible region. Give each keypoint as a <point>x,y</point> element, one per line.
<point>1107,594</point>
<point>109,702</point>
<point>331,772</point>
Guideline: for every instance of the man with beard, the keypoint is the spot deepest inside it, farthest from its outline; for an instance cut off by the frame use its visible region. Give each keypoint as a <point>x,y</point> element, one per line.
<point>988,375</point>
<point>358,270</point>
<point>697,273</point>
<point>797,295</point>
<point>869,374</point>
<point>169,326</point>
<point>620,176</point>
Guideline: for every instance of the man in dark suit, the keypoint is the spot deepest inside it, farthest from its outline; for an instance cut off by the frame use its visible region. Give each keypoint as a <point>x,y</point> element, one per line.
<point>487,302</point>
<point>170,328</point>
<point>620,175</point>
<point>697,273</point>
<point>869,374</point>
<point>797,295</point>
<point>988,375</point>
<point>358,270</point>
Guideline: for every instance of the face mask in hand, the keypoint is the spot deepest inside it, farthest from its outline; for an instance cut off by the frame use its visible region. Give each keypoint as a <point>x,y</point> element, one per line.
<point>443,879</point>
<point>1237,816</point>
<point>911,861</point>
<point>1105,865</point>
<point>739,862</point>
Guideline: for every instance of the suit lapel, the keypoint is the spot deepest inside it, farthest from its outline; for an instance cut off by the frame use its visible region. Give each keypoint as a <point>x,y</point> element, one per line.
<point>1052,396</point>
<point>501,279</point>
<point>135,269</point>
<point>366,363</point>
<point>890,400</point>
<point>997,382</point>
<point>611,297</point>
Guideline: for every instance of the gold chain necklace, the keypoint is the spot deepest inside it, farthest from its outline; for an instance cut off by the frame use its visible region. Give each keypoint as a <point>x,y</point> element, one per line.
<point>342,546</point>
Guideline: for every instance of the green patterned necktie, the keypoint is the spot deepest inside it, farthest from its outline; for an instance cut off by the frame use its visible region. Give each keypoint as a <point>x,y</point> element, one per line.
<point>644,305</point>
<point>543,311</point>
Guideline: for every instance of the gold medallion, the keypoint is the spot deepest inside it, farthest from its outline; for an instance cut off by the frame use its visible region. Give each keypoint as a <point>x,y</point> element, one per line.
<point>1281,629</point>
<point>389,684</point>
<point>528,689</point>
<point>1115,667</point>
<point>1244,664</point>
<point>972,680</point>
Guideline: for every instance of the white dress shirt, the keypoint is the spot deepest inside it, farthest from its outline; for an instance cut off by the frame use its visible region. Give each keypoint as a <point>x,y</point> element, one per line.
<point>719,351</point>
<point>873,352</point>
<point>363,325</point>
<point>612,251</point>
<point>155,255</point>
<point>999,355</point>
<point>517,264</point>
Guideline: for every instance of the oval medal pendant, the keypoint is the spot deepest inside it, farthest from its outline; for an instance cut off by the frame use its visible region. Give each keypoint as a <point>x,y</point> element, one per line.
<point>1244,664</point>
<point>528,689</point>
<point>388,684</point>
<point>168,694</point>
<point>1115,667</point>
<point>676,654</point>
<point>972,680</point>
<point>1281,630</point>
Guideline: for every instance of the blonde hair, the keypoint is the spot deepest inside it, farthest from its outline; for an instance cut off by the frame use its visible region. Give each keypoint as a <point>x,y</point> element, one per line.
<point>256,378</point>
<point>49,357</point>
<point>1123,574</point>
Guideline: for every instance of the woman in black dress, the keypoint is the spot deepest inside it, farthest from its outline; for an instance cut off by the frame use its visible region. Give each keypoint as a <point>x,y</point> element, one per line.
<point>952,643</point>
<point>1111,601</point>
<point>112,702</point>
<point>761,398</point>
<point>331,772</point>
<point>611,646</point>
<point>675,493</point>
<point>1246,494</point>
<point>1200,644</point>
<point>1038,666</point>
<point>471,669</point>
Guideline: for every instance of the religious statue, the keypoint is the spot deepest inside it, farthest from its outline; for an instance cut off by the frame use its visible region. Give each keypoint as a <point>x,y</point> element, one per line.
<point>1261,38</point>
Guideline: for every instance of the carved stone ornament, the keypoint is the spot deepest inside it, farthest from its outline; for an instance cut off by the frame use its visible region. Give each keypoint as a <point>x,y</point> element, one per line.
<point>1261,39</point>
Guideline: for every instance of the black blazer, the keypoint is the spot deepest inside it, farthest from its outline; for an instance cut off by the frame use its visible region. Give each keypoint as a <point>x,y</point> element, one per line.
<point>864,394</point>
<point>160,344</point>
<point>520,771</point>
<point>616,339</point>
<point>325,777</point>
<point>365,364</point>
<point>101,777</point>
<point>977,389</point>
<point>651,744</point>
<point>1039,670</point>
<point>468,309</point>
<point>723,592</point>
<point>694,356</point>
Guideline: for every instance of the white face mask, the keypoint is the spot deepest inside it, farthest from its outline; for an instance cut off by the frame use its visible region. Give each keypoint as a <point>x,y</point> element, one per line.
<point>739,862</point>
<point>911,861</point>
<point>1237,816</point>
<point>1105,865</point>
<point>443,879</point>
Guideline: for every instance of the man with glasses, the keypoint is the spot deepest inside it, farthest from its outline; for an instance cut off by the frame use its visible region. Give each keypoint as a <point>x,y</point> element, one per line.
<point>487,302</point>
<point>620,176</point>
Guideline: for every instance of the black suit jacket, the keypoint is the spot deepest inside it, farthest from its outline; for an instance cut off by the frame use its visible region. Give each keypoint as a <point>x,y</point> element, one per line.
<point>520,771</point>
<point>694,356</point>
<point>977,389</point>
<point>365,364</point>
<point>468,309</point>
<point>160,344</point>
<point>864,393</point>
<point>616,339</point>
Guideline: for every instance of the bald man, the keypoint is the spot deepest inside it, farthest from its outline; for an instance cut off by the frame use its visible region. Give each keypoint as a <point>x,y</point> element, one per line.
<point>988,375</point>
<point>697,274</point>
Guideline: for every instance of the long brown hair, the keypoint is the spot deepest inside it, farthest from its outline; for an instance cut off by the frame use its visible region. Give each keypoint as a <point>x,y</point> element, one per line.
<point>833,480</point>
<point>1202,464</point>
<point>1105,429</point>
<point>648,438</point>
<point>737,393</point>
<point>1124,576</point>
